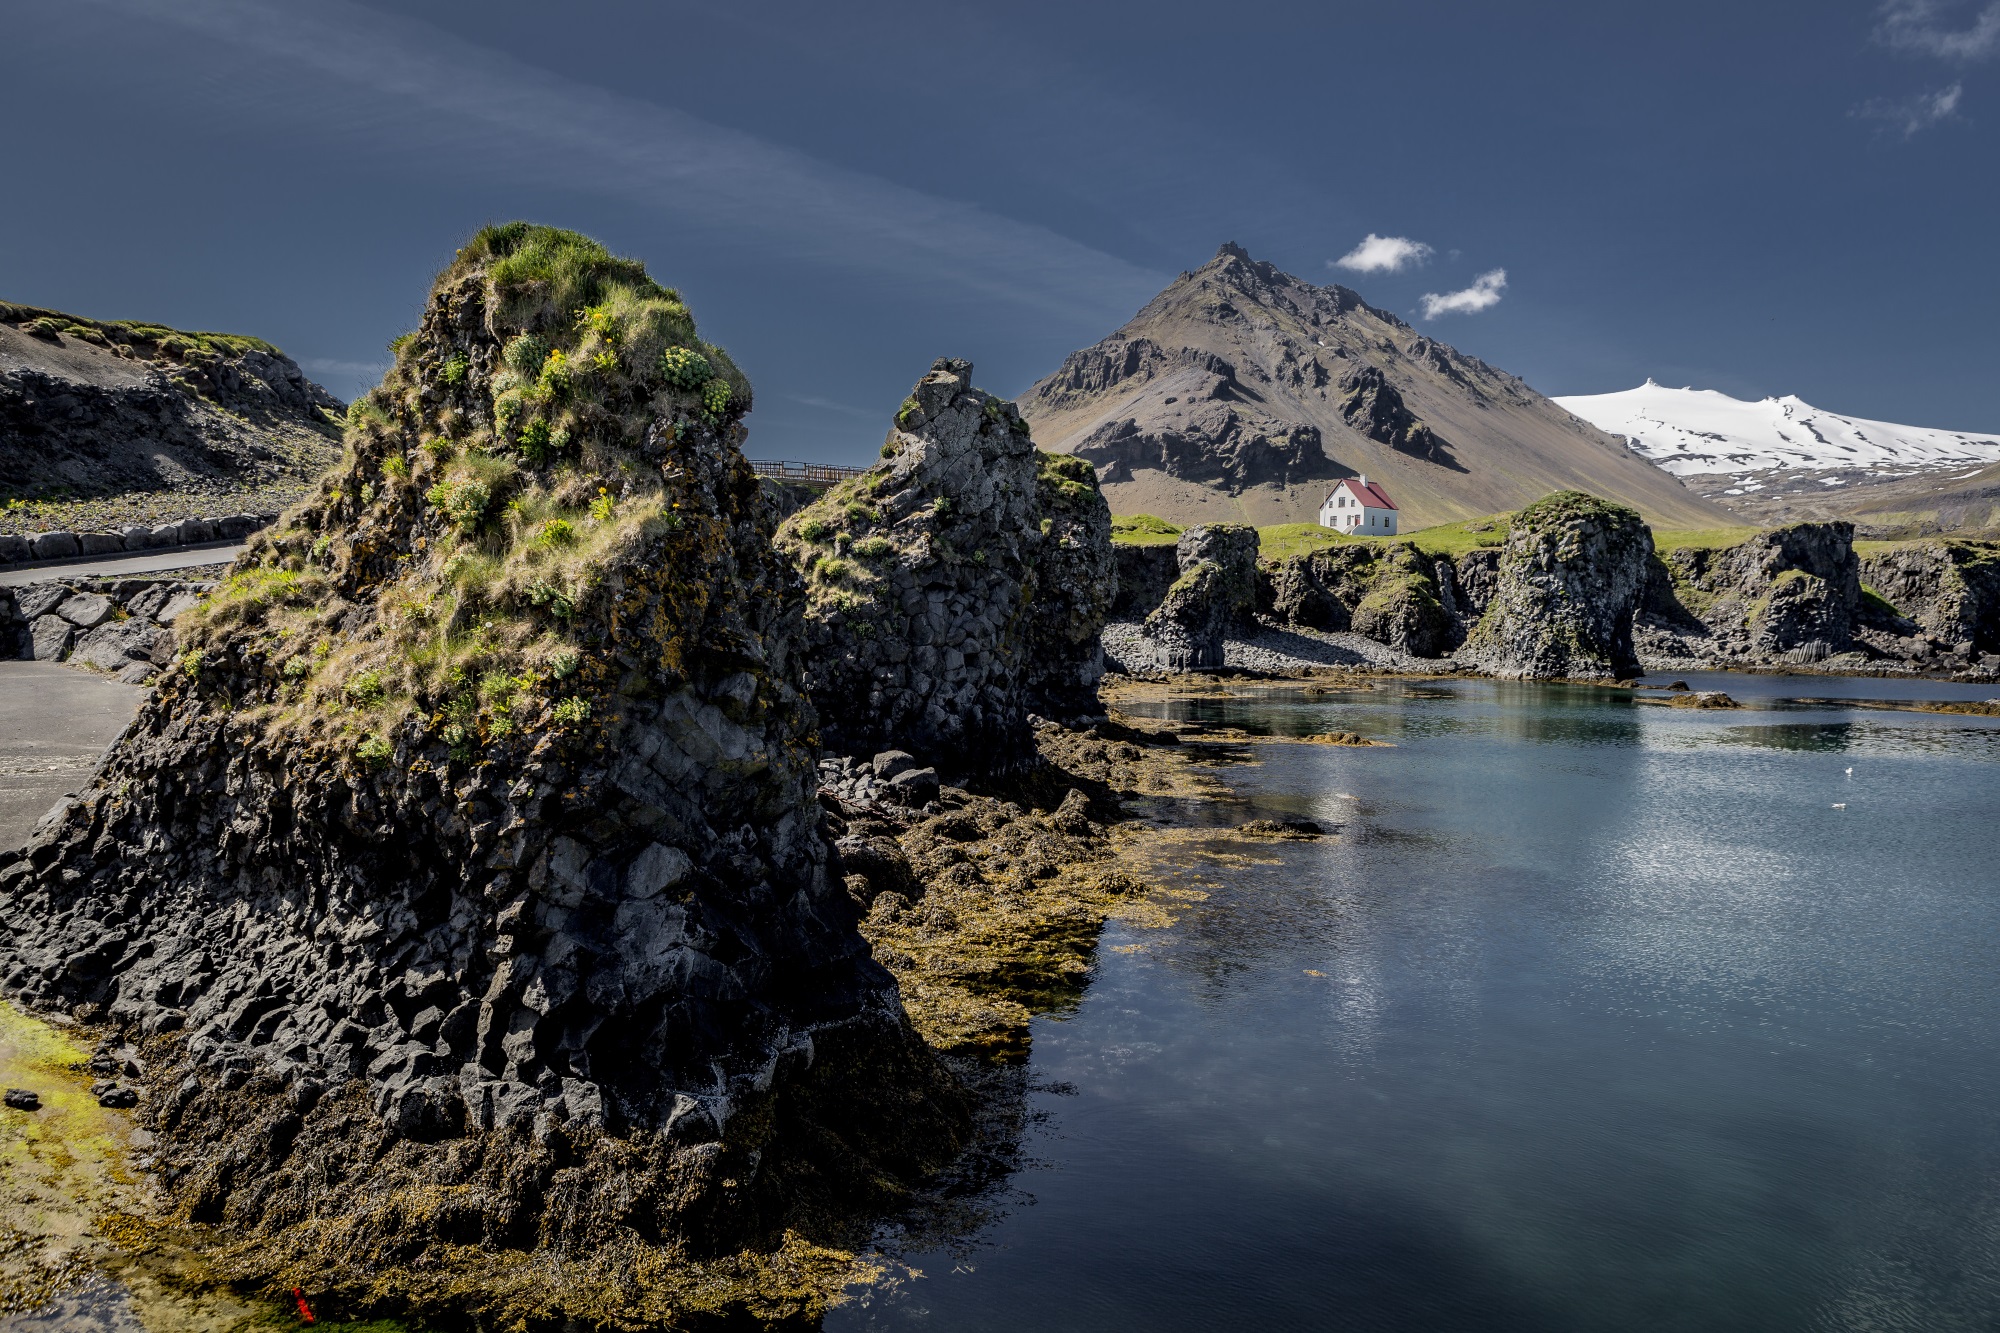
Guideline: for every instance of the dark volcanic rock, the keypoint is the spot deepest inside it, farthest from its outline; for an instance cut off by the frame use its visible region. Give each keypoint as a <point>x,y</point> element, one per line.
<point>1794,589</point>
<point>956,588</point>
<point>1144,575</point>
<point>1215,595</point>
<point>1950,589</point>
<point>1076,582</point>
<point>470,851</point>
<point>1210,442</point>
<point>1570,580</point>
<point>1388,592</point>
<point>1372,405</point>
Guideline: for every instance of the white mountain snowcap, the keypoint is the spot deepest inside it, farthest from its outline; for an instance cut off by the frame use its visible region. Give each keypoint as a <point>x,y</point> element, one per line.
<point>1690,431</point>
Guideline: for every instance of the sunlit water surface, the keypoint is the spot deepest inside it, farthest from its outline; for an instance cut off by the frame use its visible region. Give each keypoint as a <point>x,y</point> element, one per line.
<point>1595,1015</point>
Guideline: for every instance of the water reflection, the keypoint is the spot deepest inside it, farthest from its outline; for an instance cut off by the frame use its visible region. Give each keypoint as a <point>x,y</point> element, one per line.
<point>1595,1015</point>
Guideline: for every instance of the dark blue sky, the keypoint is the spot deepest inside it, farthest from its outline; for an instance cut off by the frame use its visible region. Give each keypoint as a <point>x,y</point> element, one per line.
<point>1761,198</point>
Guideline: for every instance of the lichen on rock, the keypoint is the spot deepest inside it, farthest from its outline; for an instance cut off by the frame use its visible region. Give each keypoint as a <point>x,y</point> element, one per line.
<point>466,871</point>
<point>956,588</point>
<point>1568,586</point>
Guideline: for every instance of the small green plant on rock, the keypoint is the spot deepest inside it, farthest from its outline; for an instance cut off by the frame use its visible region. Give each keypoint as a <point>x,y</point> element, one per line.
<point>462,499</point>
<point>715,398</point>
<point>571,711</point>
<point>374,752</point>
<point>684,369</point>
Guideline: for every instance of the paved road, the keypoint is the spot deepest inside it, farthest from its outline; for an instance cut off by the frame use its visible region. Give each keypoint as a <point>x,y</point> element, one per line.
<point>196,558</point>
<point>55,721</point>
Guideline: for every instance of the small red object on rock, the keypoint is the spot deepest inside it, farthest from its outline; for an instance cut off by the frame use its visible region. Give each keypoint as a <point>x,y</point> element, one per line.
<point>305,1311</point>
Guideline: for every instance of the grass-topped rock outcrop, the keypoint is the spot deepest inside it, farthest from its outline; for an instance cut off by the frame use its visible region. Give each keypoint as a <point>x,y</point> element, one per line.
<point>465,872</point>
<point>1215,594</point>
<point>1568,586</point>
<point>954,589</point>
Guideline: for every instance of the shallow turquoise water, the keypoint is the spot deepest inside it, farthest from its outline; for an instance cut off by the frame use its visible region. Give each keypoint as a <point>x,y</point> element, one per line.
<point>1620,1024</point>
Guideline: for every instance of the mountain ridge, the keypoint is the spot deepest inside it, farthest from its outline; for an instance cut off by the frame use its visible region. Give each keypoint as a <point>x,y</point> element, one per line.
<point>1242,392</point>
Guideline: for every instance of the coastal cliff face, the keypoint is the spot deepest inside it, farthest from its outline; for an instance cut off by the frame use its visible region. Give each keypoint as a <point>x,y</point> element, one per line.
<point>956,588</point>
<point>1076,582</point>
<point>1949,589</point>
<point>466,872</point>
<point>1789,593</point>
<point>1568,586</point>
<point>1389,593</point>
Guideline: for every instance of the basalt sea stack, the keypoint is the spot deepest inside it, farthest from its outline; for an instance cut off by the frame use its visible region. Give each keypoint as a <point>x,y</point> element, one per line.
<point>1569,585</point>
<point>956,588</point>
<point>465,871</point>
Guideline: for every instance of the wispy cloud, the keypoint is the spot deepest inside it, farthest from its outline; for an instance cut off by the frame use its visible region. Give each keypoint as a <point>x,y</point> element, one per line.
<point>1483,294</point>
<point>1383,254</point>
<point>320,365</point>
<point>411,91</point>
<point>1912,114</point>
<point>1922,27</point>
<point>845,409</point>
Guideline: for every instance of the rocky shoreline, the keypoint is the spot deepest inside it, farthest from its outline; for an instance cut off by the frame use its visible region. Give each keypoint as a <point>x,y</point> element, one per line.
<point>550,884</point>
<point>1571,589</point>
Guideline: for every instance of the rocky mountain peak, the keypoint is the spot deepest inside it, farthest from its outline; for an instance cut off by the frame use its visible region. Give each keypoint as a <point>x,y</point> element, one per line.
<point>1241,390</point>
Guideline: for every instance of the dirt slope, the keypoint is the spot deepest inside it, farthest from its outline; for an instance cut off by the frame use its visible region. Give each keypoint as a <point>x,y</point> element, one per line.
<point>122,421</point>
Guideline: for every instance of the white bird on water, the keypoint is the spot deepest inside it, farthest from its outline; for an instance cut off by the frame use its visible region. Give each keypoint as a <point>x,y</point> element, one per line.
<point>1850,772</point>
<point>1840,805</point>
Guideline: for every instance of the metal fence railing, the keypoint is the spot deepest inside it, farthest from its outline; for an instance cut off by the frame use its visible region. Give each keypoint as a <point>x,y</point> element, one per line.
<point>786,470</point>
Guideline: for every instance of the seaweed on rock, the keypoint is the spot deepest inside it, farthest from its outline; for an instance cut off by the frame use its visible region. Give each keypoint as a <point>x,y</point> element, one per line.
<point>466,874</point>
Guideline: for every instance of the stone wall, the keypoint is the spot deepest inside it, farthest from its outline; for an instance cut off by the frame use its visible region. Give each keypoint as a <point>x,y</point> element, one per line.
<point>63,545</point>
<point>122,627</point>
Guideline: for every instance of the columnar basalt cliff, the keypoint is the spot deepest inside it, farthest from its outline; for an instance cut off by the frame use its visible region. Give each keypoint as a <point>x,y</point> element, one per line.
<point>1792,591</point>
<point>1949,590</point>
<point>956,588</point>
<point>1569,584</point>
<point>1076,582</point>
<point>466,870</point>
<point>1391,593</point>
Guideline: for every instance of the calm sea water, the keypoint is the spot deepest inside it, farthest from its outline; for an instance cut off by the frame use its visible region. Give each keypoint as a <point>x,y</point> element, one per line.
<point>1596,1015</point>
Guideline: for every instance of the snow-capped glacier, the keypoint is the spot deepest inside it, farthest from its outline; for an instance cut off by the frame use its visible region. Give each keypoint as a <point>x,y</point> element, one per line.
<point>1692,432</point>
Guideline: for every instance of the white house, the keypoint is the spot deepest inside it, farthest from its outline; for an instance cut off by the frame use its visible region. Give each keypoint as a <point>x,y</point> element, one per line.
<point>1355,506</point>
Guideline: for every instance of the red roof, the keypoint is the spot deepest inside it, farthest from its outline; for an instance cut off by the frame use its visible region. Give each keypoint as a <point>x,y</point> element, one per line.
<point>1372,496</point>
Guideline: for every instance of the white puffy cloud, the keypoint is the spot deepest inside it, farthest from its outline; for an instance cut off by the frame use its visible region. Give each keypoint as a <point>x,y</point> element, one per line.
<point>1383,254</point>
<point>1483,294</point>
<point>1918,26</point>
<point>1911,114</point>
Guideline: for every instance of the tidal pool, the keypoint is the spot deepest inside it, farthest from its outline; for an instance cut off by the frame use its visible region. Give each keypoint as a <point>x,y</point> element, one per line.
<point>1595,1015</point>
